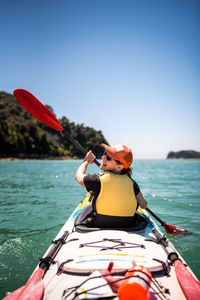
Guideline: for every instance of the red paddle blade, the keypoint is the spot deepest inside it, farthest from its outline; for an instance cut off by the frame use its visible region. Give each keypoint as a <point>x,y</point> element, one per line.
<point>37,109</point>
<point>32,290</point>
<point>176,230</point>
<point>13,295</point>
<point>188,283</point>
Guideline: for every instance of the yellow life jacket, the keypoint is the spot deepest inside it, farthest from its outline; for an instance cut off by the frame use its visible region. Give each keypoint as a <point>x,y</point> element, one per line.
<point>116,197</point>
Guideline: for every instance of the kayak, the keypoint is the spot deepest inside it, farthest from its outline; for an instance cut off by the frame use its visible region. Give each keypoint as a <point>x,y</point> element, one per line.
<point>85,262</point>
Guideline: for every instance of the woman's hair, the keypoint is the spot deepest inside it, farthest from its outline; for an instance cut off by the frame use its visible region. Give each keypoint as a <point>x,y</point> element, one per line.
<point>127,171</point>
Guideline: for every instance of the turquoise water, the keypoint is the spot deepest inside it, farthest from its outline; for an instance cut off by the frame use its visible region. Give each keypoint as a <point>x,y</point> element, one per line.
<point>37,197</point>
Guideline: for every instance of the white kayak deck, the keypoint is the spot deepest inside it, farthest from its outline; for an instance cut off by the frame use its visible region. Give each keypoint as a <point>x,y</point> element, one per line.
<point>87,252</point>
<point>94,250</point>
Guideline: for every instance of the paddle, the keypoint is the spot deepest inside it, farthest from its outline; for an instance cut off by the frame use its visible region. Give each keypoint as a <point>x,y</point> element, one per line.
<point>43,114</point>
<point>170,228</point>
<point>187,281</point>
<point>34,288</point>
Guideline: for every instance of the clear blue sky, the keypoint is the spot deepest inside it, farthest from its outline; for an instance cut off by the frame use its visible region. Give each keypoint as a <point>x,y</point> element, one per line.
<point>128,68</point>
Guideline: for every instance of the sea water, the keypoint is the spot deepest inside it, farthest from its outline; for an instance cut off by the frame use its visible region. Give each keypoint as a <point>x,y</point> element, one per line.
<point>36,198</point>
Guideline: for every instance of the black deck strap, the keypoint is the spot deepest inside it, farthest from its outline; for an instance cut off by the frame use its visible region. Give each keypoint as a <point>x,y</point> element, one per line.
<point>74,273</point>
<point>59,240</point>
<point>122,243</point>
<point>115,247</point>
<point>134,245</point>
<point>166,272</point>
<point>114,240</point>
<point>118,246</point>
<point>62,264</point>
<point>96,287</point>
<point>110,283</point>
<point>72,240</point>
<point>90,243</point>
<point>158,289</point>
<point>72,289</point>
<point>150,240</point>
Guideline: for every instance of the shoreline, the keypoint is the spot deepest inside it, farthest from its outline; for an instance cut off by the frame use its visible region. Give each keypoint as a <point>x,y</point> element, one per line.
<point>39,158</point>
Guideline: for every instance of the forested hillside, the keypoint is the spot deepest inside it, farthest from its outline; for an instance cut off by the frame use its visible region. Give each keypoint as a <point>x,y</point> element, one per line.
<point>23,136</point>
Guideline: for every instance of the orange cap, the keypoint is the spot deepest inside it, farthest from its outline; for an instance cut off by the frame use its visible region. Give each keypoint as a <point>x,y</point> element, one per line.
<point>120,153</point>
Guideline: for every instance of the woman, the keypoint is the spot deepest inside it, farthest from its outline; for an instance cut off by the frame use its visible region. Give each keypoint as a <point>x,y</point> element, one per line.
<point>116,196</point>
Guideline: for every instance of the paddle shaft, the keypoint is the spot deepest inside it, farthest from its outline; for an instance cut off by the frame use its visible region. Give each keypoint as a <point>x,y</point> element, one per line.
<point>156,217</point>
<point>76,143</point>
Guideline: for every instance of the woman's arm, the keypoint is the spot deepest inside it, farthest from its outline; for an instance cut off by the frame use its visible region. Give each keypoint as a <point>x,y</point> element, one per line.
<point>141,200</point>
<point>80,173</point>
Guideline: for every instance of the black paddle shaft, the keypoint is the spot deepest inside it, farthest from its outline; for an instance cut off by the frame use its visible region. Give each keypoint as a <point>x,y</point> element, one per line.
<point>83,150</point>
<point>156,217</point>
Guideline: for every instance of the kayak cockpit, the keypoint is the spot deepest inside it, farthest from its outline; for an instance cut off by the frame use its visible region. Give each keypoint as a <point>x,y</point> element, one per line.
<point>83,222</point>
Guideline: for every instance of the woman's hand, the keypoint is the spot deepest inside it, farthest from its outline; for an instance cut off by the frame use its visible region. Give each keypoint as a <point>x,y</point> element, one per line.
<point>90,157</point>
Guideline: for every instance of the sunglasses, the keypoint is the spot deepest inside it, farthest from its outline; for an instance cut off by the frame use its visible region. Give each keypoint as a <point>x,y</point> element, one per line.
<point>109,158</point>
